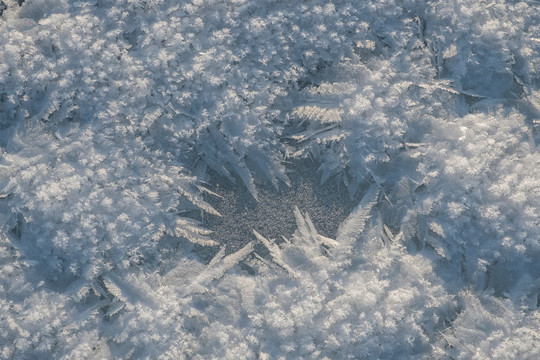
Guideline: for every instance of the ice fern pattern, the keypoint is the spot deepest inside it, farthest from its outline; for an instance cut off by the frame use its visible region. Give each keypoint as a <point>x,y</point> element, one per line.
<point>117,118</point>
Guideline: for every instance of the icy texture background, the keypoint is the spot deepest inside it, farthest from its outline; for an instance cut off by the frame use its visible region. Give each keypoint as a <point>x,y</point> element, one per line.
<point>252,179</point>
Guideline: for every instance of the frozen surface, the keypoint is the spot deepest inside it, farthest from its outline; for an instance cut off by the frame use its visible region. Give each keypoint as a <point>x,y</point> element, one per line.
<point>272,215</point>
<point>269,179</point>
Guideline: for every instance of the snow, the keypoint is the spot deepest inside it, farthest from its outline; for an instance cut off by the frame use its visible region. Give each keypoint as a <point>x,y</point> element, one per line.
<point>269,179</point>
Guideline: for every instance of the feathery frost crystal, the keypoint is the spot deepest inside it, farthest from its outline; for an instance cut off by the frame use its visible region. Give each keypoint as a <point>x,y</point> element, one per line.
<point>251,179</point>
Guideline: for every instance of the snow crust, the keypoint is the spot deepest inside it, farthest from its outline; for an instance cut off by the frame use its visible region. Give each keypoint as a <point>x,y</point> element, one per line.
<point>155,203</point>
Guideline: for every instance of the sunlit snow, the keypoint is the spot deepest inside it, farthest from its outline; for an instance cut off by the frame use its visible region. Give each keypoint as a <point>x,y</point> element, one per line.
<point>249,179</point>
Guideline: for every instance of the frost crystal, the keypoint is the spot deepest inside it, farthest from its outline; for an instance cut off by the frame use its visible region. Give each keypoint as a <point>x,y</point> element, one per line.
<point>269,179</point>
